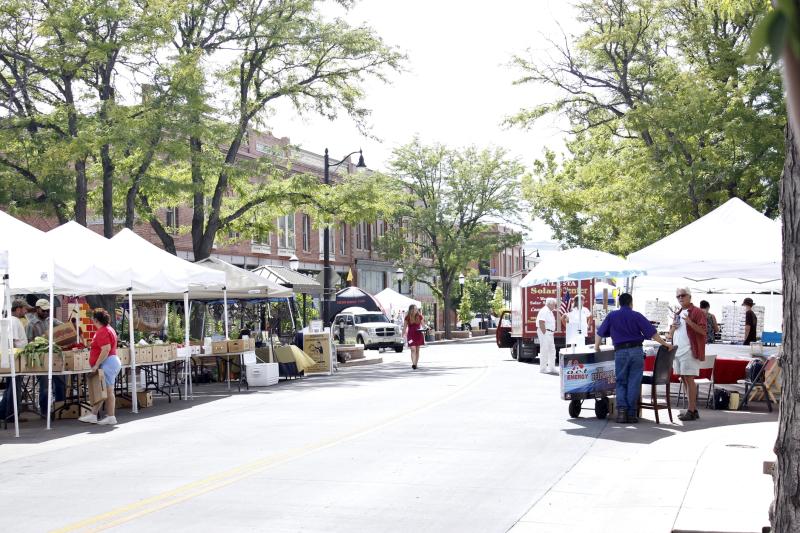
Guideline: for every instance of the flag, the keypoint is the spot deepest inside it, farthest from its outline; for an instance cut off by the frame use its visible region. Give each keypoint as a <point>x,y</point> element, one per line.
<point>566,303</point>
<point>350,275</point>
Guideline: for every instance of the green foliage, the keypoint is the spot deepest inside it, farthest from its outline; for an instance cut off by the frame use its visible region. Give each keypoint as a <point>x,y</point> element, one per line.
<point>465,307</point>
<point>668,118</point>
<point>498,303</point>
<point>444,219</point>
<point>480,294</point>
<point>312,313</point>
<point>176,329</point>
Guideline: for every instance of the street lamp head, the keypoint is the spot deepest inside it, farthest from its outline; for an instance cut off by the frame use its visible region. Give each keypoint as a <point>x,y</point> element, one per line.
<point>461,279</point>
<point>537,253</point>
<point>294,262</point>
<point>361,163</point>
<point>400,274</point>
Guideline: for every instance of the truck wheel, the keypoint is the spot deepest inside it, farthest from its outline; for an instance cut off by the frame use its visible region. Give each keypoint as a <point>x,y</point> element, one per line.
<point>514,352</point>
<point>601,408</point>
<point>360,340</point>
<point>575,408</point>
<point>398,348</point>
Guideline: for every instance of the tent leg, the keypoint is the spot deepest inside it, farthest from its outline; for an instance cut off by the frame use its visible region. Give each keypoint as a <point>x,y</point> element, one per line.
<point>187,368</point>
<point>134,396</point>
<point>50,361</point>
<point>10,346</point>
<point>225,310</point>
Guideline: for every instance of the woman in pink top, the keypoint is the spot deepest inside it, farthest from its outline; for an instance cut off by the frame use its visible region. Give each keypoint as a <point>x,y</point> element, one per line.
<point>413,327</point>
<point>103,358</point>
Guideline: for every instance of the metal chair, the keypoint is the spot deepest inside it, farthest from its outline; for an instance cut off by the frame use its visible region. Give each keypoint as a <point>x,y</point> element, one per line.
<point>659,376</point>
<point>709,362</point>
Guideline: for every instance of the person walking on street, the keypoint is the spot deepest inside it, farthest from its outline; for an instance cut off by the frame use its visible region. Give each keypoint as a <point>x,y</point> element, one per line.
<point>546,325</point>
<point>413,326</point>
<point>628,329</point>
<point>750,321</point>
<point>712,326</point>
<point>688,332</point>
<point>103,358</point>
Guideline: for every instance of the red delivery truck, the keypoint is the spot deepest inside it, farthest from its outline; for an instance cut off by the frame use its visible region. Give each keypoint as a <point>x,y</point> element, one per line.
<point>517,327</point>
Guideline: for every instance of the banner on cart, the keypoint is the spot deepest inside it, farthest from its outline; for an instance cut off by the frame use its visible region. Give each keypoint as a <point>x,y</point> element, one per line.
<point>583,377</point>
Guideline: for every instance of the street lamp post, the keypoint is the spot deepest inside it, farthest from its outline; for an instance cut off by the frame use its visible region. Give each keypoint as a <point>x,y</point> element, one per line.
<point>400,274</point>
<point>461,282</point>
<point>326,251</point>
<point>294,264</point>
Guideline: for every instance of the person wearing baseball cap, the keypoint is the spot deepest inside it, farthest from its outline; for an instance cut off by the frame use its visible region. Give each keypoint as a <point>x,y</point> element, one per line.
<point>750,321</point>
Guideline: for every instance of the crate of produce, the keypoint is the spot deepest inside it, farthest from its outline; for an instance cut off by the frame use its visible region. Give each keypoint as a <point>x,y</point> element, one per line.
<point>161,353</point>
<point>144,354</point>
<point>124,355</point>
<point>219,347</point>
<point>76,360</point>
<point>236,346</point>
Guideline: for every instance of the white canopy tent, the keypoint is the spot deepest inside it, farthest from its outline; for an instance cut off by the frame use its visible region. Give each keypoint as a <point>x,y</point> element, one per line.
<point>244,284</point>
<point>732,241</point>
<point>578,264</point>
<point>159,274</point>
<point>393,302</point>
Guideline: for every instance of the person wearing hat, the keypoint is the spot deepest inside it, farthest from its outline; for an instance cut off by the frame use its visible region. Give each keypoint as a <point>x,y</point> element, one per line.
<point>39,326</point>
<point>750,321</point>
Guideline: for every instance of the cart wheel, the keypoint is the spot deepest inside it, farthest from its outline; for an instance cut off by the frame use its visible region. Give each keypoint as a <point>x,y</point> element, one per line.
<point>575,408</point>
<point>601,408</point>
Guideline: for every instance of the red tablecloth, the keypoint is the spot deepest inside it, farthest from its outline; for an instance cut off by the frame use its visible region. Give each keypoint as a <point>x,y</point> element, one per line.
<point>727,370</point>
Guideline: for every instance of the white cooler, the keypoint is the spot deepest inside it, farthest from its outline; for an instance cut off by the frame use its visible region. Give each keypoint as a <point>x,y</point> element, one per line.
<point>262,374</point>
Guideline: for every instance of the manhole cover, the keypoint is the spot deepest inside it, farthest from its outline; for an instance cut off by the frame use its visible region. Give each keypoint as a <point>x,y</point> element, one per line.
<point>740,446</point>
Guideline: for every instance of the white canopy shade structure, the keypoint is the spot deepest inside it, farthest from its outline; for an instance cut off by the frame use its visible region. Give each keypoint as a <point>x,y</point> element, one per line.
<point>732,241</point>
<point>578,264</point>
<point>29,262</point>
<point>393,302</point>
<point>244,284</point>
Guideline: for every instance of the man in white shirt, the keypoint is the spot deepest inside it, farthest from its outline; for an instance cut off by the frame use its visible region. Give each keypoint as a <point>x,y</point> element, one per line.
<point>18,309</point>
<point>546,327</point>
<point>577,322</point>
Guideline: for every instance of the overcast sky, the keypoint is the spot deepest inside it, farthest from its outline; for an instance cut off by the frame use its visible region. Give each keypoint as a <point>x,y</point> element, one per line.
<point>458,87</point>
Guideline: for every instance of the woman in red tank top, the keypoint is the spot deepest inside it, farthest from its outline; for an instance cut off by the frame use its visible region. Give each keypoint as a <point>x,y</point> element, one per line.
<point>413,327</point>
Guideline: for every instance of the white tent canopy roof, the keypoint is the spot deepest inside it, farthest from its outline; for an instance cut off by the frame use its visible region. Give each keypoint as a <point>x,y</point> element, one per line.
<point>159,273</point>
<point>392,301</point>
<point>578,264</point>
<point>732,241</point>
<point>242,283</point>
<point>85,262</point>
<point>30,263</point>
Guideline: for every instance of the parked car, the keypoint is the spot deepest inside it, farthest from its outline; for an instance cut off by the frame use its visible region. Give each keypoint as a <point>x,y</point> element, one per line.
<point>477,322</point>
<point>370,328</point>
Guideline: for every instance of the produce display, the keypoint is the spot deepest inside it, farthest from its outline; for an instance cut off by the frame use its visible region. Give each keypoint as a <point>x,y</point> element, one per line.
<point>35,352</point>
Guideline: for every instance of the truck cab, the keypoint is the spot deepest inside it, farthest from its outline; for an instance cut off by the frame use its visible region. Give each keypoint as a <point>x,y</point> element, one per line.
<point>370,328</point>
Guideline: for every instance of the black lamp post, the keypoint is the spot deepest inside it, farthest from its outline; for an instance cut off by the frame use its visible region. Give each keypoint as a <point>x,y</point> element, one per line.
<point>294,265</point>
<point>326,251</point>
<point>461,282</point>
<point>399,274</point>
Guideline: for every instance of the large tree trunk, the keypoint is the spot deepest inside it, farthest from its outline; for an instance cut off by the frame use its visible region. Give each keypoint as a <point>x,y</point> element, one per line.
<point>786,512</point>
<point>108,191</point>
<point>448,305</point>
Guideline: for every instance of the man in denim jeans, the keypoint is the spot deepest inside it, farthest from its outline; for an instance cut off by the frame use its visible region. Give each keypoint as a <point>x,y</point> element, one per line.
<point>628,330</point>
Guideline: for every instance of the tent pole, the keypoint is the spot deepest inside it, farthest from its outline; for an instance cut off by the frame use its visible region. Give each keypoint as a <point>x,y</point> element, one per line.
<point>11,356</point>
<point>187,368</point>
<point>291,315</point>
<point>134,396</point>
<point>50,360</point>
<point>225,309</point>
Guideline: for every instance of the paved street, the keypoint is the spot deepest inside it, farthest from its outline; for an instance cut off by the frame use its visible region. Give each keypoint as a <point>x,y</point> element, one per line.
<point>472,441</point>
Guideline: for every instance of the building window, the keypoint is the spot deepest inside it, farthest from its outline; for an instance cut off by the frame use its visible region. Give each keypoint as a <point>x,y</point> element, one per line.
<point>343,239</point>
<point>286,236</point>
<point>331,242</point>
<point>261,244</point>
<point>306,233</point>
<point>361,232</point>
<point>172,221</point>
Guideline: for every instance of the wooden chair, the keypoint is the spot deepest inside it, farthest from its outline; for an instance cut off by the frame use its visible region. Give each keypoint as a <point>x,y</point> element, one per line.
<point>659,376</point>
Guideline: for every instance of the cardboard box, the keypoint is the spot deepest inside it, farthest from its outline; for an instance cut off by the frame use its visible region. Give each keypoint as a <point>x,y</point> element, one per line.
<point>65,334</point>
<point>161,353</point>
<point>144,399</point>
<point>97,387</point>
<point>144,354</point>
<point>124,355</point>
<point>76,360</point>
<point>219,347</point>
<point>236,346</point>
<point>249,344</point>
<point>72,412</point>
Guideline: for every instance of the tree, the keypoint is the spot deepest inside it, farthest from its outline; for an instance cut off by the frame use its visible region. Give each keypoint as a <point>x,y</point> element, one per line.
<point>479,292</point>
<point>498,302</point>
<point>667,120</point>
<point>445,220</point>
<point>465,308</point>
<point>273,51</point>
<point>780,31</point>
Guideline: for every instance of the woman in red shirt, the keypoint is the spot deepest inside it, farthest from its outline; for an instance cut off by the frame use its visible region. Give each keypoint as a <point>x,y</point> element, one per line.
<point>413,331</point>
<point>103,358</point>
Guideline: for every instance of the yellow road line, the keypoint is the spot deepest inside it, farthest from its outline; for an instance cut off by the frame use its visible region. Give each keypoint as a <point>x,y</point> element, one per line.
<point>202,486</point>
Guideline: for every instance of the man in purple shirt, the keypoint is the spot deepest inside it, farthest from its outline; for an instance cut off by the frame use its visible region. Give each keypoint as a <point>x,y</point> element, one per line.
<point>628,329</point>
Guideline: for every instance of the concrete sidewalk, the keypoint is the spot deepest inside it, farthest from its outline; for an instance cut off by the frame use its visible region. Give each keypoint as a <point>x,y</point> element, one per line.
<point>701,476</point>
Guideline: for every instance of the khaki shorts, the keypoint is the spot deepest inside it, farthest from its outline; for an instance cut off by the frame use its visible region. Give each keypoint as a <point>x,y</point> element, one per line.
<point>685,364</point>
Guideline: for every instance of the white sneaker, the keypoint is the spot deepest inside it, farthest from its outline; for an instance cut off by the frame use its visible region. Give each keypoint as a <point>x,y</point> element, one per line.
<point>108,421</point>
<point>89,419</point>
